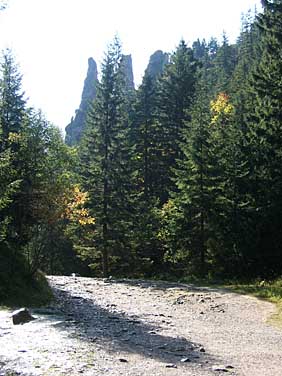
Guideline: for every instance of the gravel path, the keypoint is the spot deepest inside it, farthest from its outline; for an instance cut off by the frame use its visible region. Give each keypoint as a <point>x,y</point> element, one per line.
<point>107,327</point>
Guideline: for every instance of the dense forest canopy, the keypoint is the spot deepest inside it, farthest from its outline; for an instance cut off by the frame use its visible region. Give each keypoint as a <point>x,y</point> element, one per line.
<point>181,177</point>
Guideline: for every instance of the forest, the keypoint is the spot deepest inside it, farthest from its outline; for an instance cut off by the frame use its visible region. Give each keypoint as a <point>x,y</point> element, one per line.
<point>180,178</point>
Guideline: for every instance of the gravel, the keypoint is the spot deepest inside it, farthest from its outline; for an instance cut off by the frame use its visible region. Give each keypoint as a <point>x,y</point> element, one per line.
<point>123,327</point>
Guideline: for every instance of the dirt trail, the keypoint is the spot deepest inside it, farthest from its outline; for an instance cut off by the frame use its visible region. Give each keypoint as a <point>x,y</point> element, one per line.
<point>106,327</point>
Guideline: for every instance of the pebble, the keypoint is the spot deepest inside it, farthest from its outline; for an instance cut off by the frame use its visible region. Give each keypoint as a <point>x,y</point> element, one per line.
<point>221,368</point>
<point>170,365</point>
<point>185,360</point>
<point>123,360</point>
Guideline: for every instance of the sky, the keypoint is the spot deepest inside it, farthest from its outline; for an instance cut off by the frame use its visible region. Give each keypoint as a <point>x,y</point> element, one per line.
<point>53,39</point>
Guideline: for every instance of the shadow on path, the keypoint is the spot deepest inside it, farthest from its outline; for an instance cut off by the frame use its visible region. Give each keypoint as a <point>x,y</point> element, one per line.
<point>119,332</point>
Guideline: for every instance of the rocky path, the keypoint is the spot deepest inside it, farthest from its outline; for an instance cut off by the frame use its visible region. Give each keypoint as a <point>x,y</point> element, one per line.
<point>106,327</point>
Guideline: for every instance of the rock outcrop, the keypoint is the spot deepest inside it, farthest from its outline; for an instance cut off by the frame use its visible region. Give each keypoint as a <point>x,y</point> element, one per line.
<point>157,63</point>
<point>126,66</point>
<point>76,127</point>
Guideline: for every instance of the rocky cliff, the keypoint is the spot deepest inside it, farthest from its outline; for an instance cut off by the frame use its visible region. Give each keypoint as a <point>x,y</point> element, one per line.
<point>157,63</point>
<point>126,66</point>
<point>76,127</point>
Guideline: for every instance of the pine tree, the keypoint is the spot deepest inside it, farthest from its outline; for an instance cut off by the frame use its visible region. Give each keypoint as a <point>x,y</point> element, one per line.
<point>13,115</point>
<point>230,174</point>
<point>193,179</point>
<point>223,66</point>
<point>144,135</point>
<point>105,164</point>
<point>12,104</point>
<point>265,141</point>
<point>175,96</point>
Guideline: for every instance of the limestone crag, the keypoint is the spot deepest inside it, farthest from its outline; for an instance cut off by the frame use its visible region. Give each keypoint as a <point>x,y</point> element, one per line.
<point>126,66</point>
<point>76,127</point>
<point>157,62</point>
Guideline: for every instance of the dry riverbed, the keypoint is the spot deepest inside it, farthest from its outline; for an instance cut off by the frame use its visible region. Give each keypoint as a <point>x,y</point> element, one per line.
<point>107,327</point>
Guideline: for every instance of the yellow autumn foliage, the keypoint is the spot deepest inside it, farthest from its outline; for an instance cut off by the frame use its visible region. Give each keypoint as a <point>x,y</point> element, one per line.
<point>75,210</point>
<point>221,108</point>
<point>14,137</point>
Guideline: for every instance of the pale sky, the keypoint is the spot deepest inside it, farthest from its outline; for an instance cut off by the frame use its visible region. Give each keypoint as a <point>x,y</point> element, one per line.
<point>53,39</point>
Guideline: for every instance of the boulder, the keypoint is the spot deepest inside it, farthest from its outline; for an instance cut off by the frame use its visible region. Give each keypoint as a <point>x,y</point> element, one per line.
<point>22,316</point>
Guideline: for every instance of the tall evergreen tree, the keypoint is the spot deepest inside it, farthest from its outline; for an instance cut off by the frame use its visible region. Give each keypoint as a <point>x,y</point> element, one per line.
<point>12,104</point>
<point>223,66</point>
<point>265,141</point>
<point>145,132</point>
<point>105,165</point>
<point>176,92</point>
<point>12,118</point>
<point>193,179</point>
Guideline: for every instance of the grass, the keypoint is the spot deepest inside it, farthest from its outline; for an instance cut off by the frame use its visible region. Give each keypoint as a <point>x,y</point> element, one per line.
<point>269,291</point>
<point>28,293</point>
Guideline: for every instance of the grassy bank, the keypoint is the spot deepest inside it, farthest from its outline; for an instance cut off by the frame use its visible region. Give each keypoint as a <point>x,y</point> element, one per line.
<point>26,292</point>
<point>270,291</point>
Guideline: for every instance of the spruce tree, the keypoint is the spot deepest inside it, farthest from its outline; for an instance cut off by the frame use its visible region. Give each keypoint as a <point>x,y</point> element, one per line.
<point>175,95</point>
<point>223,66</point>
<point>105,166</point>
<point>265,141</point>
<point>145,133</point>
<point>12,104</point>
<point>193,179</point>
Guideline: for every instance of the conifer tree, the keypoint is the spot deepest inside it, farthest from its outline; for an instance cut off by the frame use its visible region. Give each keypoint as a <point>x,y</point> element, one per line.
<point>193,179</point>
<point>145,133</point>
<point>265,141</point>
<point>105,165</point>
<point>175,95</point>
<point>12,104</point>
<point>13,115</point>
<point>223,66</point>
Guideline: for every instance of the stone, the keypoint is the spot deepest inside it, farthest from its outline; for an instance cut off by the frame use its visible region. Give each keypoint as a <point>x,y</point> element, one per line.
<point>152,332</point>
<point>22,316</point>
<point>185,360</point>
<point>122,360</point>
<point>170,365</point>
<point>220,368</point>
